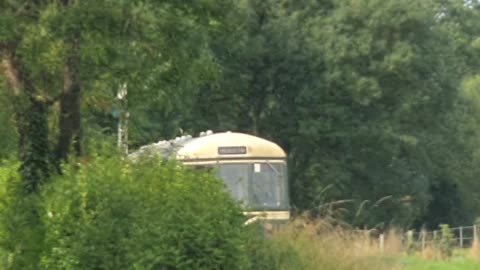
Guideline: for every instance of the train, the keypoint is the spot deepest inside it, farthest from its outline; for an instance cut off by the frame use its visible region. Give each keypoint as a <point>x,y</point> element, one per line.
<point>253,169</point>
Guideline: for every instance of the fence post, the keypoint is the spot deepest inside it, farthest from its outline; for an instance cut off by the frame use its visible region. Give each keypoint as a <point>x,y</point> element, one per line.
<point>382,242</point>
<point>461,236</point>
<point>410,242</point>
<point>423,239</point>
<point>366,236</point>
<point>475,236</point>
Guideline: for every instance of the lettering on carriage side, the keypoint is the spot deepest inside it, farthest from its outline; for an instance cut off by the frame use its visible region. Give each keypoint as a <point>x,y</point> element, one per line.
<point>232,150</point>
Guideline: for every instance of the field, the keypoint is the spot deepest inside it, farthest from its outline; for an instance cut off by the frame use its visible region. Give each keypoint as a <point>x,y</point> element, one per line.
<point>415,263</point>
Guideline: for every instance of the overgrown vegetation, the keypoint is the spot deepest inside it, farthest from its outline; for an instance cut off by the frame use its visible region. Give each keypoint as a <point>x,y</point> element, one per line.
<point>375,101</point>
<point>110,214</point>
<point>318,244</point>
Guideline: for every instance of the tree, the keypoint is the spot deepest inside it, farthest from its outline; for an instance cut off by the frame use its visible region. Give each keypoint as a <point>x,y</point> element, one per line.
<point>58,55</point>
<point>362,94</point>
<point>55,53</point>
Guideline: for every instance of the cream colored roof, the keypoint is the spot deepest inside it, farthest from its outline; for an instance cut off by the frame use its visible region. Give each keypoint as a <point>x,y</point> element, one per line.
<point>207,147</point>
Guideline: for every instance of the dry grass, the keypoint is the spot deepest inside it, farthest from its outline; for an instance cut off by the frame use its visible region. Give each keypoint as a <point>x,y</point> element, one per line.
<point>474,252</point>
<point>430,253</point>
<point>320,245</point>
<point>317,244</point>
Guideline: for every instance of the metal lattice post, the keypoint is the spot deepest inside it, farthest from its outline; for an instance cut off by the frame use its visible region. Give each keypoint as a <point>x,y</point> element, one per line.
<point>123,115</point>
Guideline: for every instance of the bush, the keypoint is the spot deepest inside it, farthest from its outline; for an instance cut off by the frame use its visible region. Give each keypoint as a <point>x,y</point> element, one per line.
<point>110,214</point>
<point>8,174</point>
<point>272,252</point>
<point>446,242</point>
<point>21,232</point>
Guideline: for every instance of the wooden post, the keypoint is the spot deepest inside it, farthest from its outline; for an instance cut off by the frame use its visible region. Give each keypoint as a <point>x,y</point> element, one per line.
<point>410,243</point>
<point>475,236</point>
<point>424,235</point>
<point>461,236</point>
<point>366,235</point>
<point>382,242</point>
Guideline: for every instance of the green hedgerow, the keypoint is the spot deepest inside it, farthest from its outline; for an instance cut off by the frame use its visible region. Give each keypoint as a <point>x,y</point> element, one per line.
<point>113,214</point>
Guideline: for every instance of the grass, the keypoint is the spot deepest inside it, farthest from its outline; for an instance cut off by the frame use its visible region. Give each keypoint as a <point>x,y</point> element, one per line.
<point>458,263</point>
<point>317,245</point>
<point>462,259</point>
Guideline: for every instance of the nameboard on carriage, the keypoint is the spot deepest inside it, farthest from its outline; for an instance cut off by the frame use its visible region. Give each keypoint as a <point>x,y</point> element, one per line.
<point>232,150</point>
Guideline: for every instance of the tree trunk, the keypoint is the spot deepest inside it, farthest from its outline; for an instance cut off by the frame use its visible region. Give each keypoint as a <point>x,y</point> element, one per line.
<point>70,115</point>
<point>32,121</point>
<point>34,150</point>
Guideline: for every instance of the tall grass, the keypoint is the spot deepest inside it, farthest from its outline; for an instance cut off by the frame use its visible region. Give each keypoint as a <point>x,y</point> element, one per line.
<point>313,245</point>
<point>318,244</point>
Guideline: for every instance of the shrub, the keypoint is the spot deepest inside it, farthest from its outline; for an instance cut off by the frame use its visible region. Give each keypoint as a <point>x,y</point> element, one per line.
<point>446,242</point>
<point>21,232</point>
<point>110,214</point>
<point>8,173</point>
<point>272,253</point>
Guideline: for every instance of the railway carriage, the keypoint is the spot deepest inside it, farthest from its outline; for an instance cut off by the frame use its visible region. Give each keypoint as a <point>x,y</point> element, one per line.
<point>253,169</point>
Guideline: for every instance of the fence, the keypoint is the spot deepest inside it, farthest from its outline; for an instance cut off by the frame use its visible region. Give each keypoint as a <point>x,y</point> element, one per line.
<point>460,237</point>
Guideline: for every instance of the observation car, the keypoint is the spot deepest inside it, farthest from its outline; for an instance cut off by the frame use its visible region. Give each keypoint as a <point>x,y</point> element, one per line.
<point>253,169</point>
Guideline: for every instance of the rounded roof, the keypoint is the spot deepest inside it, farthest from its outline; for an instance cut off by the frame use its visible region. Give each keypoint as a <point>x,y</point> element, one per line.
<point>229,145</point>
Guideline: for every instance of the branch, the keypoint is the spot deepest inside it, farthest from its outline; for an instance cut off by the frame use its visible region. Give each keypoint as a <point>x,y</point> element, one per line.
<point>9,70</point>
<point>16,75</point>
<point>50,101</point>
<point>21,9</point>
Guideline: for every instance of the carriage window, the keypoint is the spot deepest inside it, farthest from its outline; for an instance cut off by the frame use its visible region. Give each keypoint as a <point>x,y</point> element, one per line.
<point>268,186</point>
<point>259,186</point>
<point>235,177</point>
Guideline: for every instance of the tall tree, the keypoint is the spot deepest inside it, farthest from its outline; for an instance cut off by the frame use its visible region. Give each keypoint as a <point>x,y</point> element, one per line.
<point>55,53</point>
<point>56,56</point>
<point>360,93</point>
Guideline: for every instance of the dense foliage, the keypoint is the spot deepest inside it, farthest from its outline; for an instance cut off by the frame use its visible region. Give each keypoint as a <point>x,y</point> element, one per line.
<point>368,99</point>
<point>375,101</point>
<point>110,214</point>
